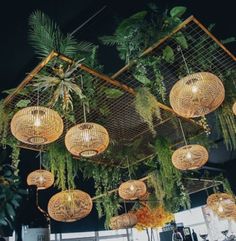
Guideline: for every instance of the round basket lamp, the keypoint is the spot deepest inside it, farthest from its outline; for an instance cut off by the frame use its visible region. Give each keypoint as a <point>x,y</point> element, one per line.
<point>223,204</point>
<point>43,179</point>
<point>70,205</point>
<point>197,94</point>
<point>234,108</point>
<point>190,157</point>
<point>87,139</point>
<point>132,190</point>
<point>36,125</point>
<point>126,220</point>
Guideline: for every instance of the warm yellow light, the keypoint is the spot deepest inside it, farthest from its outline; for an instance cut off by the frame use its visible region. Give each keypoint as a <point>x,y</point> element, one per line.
<point>189,155</point>
<point>194,89</point>
<point>132,187</point>
<point>37,122</point>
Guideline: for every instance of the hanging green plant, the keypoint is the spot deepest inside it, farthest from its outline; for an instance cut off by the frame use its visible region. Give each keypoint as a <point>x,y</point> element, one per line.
<point>62,166</point>
<point>62,85</point>
<point>135,33</point>
<point>227,122</point>
<point>11,195</point>
<point>168,179</point>
<point>147,107</point>
<point>4,123</point>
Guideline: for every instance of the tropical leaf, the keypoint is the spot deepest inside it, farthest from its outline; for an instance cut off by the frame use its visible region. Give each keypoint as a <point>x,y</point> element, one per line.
<point>23,103</point>
<point>181,40</point>
<point>113,93</point>
<point>168,54</point>
<point>177,11</point>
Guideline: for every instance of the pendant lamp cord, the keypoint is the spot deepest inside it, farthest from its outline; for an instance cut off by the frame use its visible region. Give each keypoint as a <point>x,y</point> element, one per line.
<point>40,159</point>
<point>84,107</point>
<point>128,168</point>
<point>182,131</point>
<point>184,59</point>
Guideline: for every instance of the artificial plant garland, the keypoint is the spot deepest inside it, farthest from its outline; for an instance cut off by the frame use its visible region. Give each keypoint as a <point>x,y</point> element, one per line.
<point>167,180</point>
<point>147,107</point>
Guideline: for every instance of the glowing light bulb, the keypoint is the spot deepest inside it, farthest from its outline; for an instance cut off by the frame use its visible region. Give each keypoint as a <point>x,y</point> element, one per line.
<point>189,155</point>
<point>37,122</point>
<point>131,187</point>
<point>41,179</point>
<point>86,136</point>
<point>220,208</point>
<point>194,89</point>
<point>69,199</point>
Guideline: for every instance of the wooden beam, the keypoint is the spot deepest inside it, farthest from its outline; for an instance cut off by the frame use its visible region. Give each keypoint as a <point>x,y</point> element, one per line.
<point>29,77</point>
<point>214,38</point>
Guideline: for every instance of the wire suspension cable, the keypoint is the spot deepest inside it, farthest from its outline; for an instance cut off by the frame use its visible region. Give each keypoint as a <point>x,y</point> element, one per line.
<point>182,131</point>
<point>184,59</point>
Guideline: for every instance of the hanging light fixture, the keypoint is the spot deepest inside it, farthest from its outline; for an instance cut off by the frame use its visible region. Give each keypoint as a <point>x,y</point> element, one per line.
<point>87,139</point>
<point>189,157</point>
<point>132,189</point>
<point>36,125</point>
<point>43,179</point>
<point>196,94</point>
<point>70,205</point>
<point>126,220</point>
<point>234,108</point>
<point>222,204</point>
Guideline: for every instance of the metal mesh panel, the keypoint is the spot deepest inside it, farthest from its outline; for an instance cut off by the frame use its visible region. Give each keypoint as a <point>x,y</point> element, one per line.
<point>121,120</point>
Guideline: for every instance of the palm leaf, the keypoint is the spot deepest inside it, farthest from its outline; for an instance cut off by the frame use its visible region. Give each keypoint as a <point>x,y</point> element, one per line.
<point>44,34</point>
<point>109,40</point>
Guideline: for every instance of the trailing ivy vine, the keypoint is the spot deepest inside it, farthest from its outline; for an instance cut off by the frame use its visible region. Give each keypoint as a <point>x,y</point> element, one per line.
<point>147,107</point>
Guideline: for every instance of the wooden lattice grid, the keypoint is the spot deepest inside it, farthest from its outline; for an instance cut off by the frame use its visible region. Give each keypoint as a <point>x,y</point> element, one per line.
<point>123,123</point>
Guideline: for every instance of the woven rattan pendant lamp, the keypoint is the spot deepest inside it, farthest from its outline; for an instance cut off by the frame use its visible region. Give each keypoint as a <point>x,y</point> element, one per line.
<point>196,94</point>
<point>86,139</point>
<point>123,221</point>
<point>234,108</point>
<point>70,205</point>
<point>222,204</point>
<point>132,189</point>
<point>189,157</point>
<point>43,179</point>
<point>37,125</point>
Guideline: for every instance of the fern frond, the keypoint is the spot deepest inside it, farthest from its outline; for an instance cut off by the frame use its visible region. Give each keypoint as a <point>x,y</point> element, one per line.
<point>109,40</point>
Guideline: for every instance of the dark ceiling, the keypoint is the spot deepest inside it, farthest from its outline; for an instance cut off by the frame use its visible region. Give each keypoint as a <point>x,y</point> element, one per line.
<point>17,57</point>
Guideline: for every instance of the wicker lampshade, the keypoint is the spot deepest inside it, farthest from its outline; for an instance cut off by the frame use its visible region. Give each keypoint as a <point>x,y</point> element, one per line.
<point>70,205</point>
<point>190,157</point>
<point>197,94</point>
<point>87,139</point>
<point>234,108</point>
<point>36,125</point>
<point>132,189</point>
<point>126,220</point>
<point>223,204</point>
<point>43,179</point>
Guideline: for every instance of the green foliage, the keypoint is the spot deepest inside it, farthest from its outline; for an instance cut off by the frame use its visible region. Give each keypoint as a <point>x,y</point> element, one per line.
<point>168,54</point>
<point>10,195</point>
<point>105,179</point>
<point>167,182</point>
<point>61,86</point>
<point>113,93</point>
<point>4,123</point>
<point>46,36</point>
<point>22,103</point>
<point>227,122</point>
<point>146,106</point>
<point>59,161</point>
<point>143,29</point>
